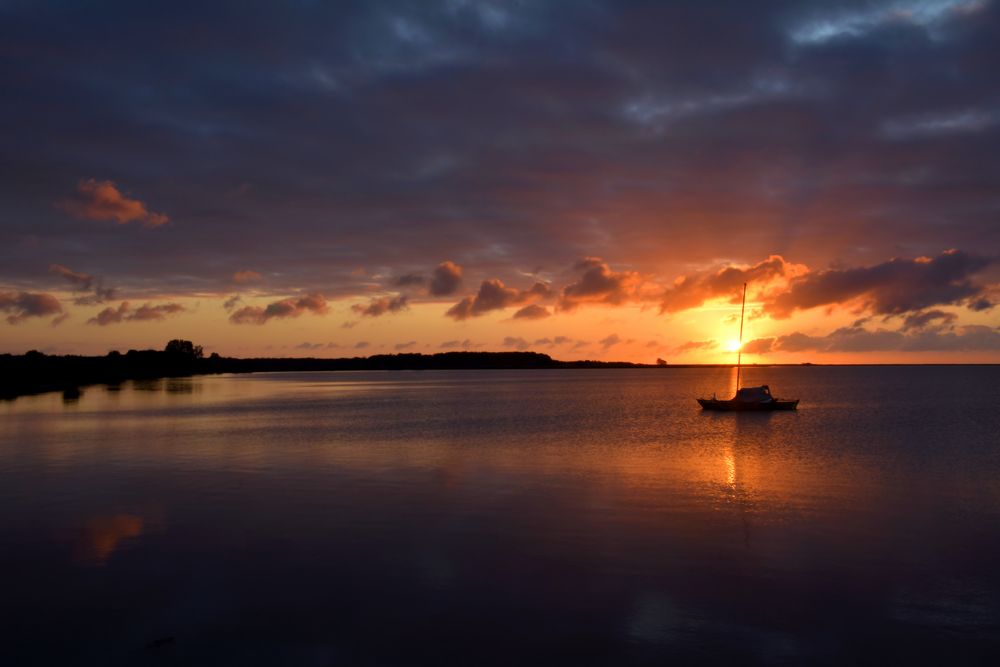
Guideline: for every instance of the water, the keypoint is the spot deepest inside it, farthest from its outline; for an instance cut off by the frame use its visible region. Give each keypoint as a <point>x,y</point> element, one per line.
<point>499,517</point>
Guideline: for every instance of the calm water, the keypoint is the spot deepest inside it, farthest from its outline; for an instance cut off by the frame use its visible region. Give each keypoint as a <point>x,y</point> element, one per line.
<point>504,517</point>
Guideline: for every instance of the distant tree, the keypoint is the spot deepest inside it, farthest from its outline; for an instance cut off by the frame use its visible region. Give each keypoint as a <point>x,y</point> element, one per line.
<point>184,349</point>
<point>214,356</point>
<point>661,362</point>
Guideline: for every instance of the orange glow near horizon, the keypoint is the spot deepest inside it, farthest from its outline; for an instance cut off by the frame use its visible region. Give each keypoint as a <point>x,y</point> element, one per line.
<point>637,333</point>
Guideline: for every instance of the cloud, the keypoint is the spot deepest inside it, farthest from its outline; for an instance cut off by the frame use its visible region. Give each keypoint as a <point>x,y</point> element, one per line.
<point>446,279</point>
<point>697,345</point>
<point>610,341</point>
<point>599,284</point>
<point>144,313</point>
<point>405,346</point>
<point>927,318</point>
<point>532,312</point>
<point>494,295</point>
<point>84,282</point>
<point>553,342</point>
<point>770,147</point>
<point>932,125</point>
<point>381,306</point>
<point>361,344</point>
<point>283,309</point>
<point>81,281</point>
<point>891,288</point>
<point>758,346</point>
<point>311,346</point>
<point>451,344</point>
<point>968,338</point>
<point>101,200</point>
<point>232,302</point>
<point>148,312</point>
<point>22,305</point>
<point>516,342</point>
<point>694,290</point>
<point>842,23</point>
<point>244,277</point>
<point>409,280</point>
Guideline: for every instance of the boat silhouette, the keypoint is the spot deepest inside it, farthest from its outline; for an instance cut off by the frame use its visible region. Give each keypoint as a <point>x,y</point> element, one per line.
<point>747,399</point>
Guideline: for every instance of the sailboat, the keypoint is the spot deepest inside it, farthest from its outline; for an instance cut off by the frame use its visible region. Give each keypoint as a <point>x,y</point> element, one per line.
<point>747,399</point>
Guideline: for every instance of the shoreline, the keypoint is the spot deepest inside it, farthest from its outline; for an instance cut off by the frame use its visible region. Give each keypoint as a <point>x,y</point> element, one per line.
<point>36,373</point>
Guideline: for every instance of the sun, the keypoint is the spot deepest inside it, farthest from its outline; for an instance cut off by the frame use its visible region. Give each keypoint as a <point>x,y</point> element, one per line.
<point>732,346</point>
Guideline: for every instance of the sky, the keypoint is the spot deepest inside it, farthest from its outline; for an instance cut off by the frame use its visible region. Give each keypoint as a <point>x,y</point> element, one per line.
<point>591,180</point>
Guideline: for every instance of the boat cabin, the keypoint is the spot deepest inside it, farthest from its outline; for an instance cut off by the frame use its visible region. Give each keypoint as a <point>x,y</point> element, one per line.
<point>761,394</point>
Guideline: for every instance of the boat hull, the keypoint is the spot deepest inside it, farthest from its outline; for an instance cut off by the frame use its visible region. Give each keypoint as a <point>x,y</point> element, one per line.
<point>746,406</point>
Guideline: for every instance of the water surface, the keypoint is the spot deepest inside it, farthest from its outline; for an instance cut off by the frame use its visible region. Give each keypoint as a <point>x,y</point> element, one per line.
<point>498,517</point>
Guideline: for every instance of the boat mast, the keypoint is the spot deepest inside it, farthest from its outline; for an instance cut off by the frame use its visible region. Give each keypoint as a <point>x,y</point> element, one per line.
<point>739,350</point>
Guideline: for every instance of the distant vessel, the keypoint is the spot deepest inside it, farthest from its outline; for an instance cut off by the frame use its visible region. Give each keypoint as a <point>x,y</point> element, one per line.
<point>747,399</point>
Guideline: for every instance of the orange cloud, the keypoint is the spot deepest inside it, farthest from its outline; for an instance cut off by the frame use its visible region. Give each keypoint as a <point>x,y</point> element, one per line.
<point>697,345</point>
<point>22,305</point>
<point>102,200</point>
<point>285,308</point>
<point>694,290</point>
<point>243,277</point>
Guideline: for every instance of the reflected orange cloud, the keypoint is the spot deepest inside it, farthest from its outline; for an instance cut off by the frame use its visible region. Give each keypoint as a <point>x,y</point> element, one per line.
<point>103,534</point>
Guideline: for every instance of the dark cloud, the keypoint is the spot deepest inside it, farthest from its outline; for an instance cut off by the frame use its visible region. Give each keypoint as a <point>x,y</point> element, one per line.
<point>599,284</point>
<point>409,280</point>
<point>84,282</point>
<point>494,295</point>
<point>80,281</point>
<point>923,319</point>
<point>969,338</point>
<point>516,342</point>
<point>144,313</point>
<point>665,135</point>
<point>446,279</point>
<point>102,200</point>
<point>532,312</point>
<point>554,342</point>
<point>892,288</point>
<point>610,341</point>
<point>285,308</point>
<point>22,305</point>
<point>382,305</point>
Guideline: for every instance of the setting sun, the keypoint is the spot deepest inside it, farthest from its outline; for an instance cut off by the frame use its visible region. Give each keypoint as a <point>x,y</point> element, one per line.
<point>732,346</point>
